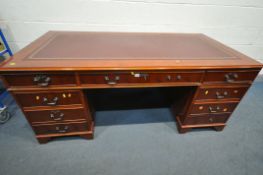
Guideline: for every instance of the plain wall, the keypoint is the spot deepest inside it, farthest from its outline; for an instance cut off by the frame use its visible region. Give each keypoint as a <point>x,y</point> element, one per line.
<point>237,23</point>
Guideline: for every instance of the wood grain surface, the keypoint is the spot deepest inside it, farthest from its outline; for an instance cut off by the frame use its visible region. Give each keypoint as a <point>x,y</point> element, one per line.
<point>125,51</point>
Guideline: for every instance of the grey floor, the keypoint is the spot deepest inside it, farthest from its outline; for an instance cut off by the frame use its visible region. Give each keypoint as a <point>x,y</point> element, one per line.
<point>141,142</point>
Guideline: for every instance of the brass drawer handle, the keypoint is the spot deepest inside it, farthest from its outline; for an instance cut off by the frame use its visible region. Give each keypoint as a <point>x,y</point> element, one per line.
<point>56,115</point>
<point>230,77</point>
<point>178,77</point>
<point>42,80</point>
<point>62,130</point>
<point>53,102</point>
<point>211,119</point>
<point>212,110</point>
<point>220,96</point>
<point>112,82</point>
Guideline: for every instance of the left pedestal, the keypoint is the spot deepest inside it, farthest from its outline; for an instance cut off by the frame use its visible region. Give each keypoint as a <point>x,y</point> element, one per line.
<point>56,113</point>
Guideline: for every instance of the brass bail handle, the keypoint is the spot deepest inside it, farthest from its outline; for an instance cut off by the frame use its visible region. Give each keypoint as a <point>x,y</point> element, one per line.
<point>231,77</point>
<point>53,102</point>
<point>62,129</point>
<point>112,82</point>
<point>56,115</point>
<point>211,109</point>
<point>42,80</point>
<point>220,96</point>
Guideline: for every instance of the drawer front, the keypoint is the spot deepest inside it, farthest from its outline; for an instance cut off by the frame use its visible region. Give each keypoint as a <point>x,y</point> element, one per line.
<point>58,115</point>
<point>176,77</point>
<point>206,119</point>
<point>48,98</point>
<point>40,79</point>
<point>212,108</point>
<point>221,93</point>
<point>230,76</point>
<point>61,128</point>
<point>104,78</point>
<point>140,77</point>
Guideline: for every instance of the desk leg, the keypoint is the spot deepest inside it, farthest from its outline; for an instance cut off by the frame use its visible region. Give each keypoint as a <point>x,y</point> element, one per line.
<point>87,136</point>
<point>183,130</point>
<point>43,140</point>
<point>90,135</point>
<point>219,128</point>
<point>180,129</point>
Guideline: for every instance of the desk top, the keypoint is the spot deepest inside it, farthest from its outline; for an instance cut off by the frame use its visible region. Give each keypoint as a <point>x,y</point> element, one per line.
<point>125,51</point>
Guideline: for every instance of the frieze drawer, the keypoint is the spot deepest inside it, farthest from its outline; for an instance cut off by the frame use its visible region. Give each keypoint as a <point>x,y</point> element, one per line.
<point>115,78</point>
<point>234,76</point>
<point>40,79</point>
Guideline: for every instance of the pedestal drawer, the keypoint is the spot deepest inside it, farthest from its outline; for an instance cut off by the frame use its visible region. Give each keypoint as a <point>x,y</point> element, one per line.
<point>205,93</point>
<point>206,119</point>
<point>57,115</point>
<point>212,108</point>
<point>40,79</point>
<point>61,128</point>
<point>48,98</point>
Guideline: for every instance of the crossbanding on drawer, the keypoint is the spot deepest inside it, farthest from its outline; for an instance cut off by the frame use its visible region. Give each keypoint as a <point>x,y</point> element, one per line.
<point>61,128</point>
<point>48,98</point>
<point>208,119</point>
<point>115,78</point>
<point>230,77</point>
<point>56,115</point>
<point>203,108</point>
<point>40,79</point>
<point>217,93</point>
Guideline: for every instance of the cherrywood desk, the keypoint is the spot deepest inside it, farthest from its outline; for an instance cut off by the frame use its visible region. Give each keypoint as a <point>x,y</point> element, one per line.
<point>52,77</point>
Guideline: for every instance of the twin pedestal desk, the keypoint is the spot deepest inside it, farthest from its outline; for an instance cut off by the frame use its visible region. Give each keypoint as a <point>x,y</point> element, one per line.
<point>51,79</point>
